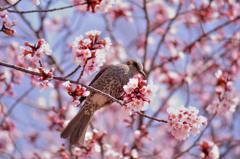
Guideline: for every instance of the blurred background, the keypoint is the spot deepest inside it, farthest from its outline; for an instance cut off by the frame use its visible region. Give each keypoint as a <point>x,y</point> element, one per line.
<point>182,44</point>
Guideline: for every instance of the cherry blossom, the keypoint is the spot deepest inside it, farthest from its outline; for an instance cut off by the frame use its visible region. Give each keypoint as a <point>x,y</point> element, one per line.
<point>36,2</point>
<point>110,152</point>
<point>92,144</point>
<point>57,118</point>
<point>5,24</point>
<point>39,49</point>
<point>91,50</point>
<point>6,85</point>
<point>46,75</point>
<point>136,93</point>
<point>77,92</point>
<point>227,99</point>
<point>190,54</point>
<point>93,5</point>
<point>33,53</point>
<point>209,150</point>
<point>184,122</point>
<point>5,143</point>
<point>226,105</point>
<point>121,9</point>
<point>7,124</point>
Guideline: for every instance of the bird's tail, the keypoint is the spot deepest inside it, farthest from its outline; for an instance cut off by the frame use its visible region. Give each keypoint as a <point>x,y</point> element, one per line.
<point>77,127</point>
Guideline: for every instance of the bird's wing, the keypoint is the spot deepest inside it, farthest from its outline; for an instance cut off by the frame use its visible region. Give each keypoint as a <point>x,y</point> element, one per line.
<point>103,69</point>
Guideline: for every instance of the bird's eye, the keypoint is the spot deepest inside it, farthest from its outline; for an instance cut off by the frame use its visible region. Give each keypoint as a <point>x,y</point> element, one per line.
<point>135,65</point>
<point>129,63</point>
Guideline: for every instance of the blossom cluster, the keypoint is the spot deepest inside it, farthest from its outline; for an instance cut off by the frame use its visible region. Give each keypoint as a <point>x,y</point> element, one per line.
<point>57,118</point>
<point>6,87</point>
<point>129,153</point>
<point>92,144</point>
<point>136,93</point>
<point>33,55</point>
<point>121,9</point>
<point>6,123</point>
<point>5,24</point>
<point>79,91</point>
<point>183,122</point>
<point>6,145</point>
<point>93,5</point>
<point>224,106</point>
<point>45,76</point>
<point>35,52</point>
<point>209,150</point>
<point>90,50</point>
<point>226,100</point>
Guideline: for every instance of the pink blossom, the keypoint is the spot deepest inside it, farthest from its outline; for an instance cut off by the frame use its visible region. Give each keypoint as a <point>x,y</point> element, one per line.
<point>36,2</point>
<point>6,87</point>
<point>110,152</point>
<point>121,9</point>
<point>6,145</point>
<point>5,24</point>
<point>227,99</point>
<point>57,118</point>
<point>92,140</point>
<point>44,80</point>
<point>89,5</point>
<point>93,5</point>
<point>39,49</point>
<point>63,153</point>
<point>183,122</point>
<point>3,14</point>
<point>45,73</point>
<point>136,93</point>
<point>226,105</point>
<point>35,52</point>
<point>8,125</point>
<point>91,50</point>
<point>14,56</point>
<point>209,150</point>
<point>77,92</point>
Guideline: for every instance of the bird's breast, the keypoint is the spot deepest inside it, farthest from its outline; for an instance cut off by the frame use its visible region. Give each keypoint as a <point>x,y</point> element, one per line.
<point>99,99</point>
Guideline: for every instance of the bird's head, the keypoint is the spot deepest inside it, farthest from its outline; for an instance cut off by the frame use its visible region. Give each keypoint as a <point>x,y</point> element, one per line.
<point>136,67</point>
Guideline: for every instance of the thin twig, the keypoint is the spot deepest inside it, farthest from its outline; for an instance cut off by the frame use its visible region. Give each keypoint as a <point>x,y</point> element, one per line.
<point>14,105</point>
<point>74,82</point>
<point>190,46</point>
<point>164,36</point>
<point>2,9</point>
<point>74,71</point>
<point>152,118</point>
<point>147,32</point>
<point>83,69</point>
<point>46,10</point>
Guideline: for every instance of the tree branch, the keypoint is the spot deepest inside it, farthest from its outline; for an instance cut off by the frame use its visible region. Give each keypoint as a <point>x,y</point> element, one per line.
<point>46,10</point>
<point>74,82</point>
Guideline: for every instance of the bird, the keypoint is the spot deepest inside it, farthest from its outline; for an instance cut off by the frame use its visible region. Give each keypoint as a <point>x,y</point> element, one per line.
<point>110,80</point>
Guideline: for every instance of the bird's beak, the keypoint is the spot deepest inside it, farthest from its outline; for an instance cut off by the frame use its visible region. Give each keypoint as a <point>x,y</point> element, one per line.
<point>143,73</point>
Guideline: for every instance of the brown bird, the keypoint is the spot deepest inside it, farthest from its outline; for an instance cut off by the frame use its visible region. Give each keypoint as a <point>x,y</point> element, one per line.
<point>110,80</point>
